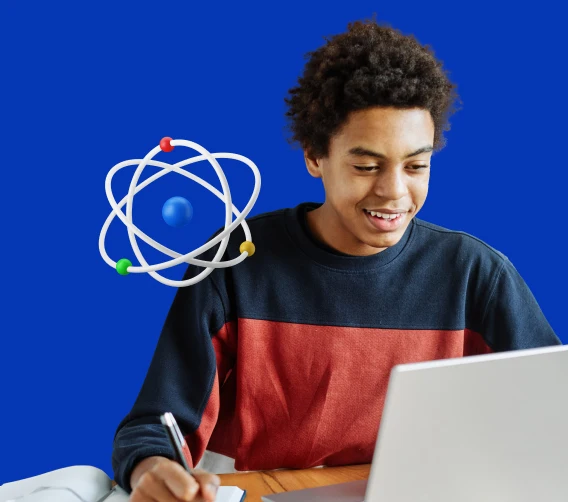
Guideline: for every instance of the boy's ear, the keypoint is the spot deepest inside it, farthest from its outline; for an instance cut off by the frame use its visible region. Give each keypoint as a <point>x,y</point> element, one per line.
<point>314,167</point>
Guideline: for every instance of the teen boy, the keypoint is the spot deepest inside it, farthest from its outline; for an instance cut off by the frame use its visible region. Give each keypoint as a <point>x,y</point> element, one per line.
<point>283,361</point>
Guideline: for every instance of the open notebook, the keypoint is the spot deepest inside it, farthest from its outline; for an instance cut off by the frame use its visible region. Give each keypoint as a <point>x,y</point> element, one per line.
<point>82,483</point>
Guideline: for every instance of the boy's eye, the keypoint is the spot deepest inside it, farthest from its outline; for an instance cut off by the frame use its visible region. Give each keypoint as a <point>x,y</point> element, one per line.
<point>372,168</point>
<point>366,168</point>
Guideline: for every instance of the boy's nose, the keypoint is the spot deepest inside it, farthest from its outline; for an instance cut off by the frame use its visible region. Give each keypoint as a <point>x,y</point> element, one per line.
<point>391,185</point>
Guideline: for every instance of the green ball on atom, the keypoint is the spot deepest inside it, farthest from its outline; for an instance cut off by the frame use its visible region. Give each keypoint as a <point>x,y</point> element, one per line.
<point>122,266</point>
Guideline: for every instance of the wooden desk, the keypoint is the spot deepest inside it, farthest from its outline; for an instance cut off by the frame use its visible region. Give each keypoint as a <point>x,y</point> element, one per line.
<point>266,482</point>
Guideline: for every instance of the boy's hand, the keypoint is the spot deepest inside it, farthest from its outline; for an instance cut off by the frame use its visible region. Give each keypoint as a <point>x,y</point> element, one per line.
<point>159,479</point>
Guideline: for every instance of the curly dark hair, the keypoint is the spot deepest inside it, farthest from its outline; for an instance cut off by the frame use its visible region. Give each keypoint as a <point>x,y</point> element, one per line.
<point>369,65</point>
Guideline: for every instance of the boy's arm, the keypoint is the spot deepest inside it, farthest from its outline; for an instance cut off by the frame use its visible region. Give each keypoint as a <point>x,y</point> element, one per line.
<point>513,319</point>
<point>193,355</point>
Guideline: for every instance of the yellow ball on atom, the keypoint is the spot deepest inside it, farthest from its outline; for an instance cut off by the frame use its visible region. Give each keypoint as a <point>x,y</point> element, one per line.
<point>247,246</point>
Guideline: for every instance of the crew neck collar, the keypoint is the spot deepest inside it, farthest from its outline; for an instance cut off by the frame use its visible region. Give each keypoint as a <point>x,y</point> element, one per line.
<point>297,225</point>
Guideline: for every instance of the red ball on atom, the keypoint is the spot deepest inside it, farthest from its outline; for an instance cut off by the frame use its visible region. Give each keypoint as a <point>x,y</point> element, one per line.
<point>165,144</point>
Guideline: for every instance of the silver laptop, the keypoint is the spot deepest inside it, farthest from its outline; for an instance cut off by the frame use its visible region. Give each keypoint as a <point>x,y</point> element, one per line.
<point>474,429</point>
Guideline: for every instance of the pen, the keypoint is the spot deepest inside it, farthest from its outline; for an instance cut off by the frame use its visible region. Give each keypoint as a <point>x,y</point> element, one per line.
<point>176,439</point>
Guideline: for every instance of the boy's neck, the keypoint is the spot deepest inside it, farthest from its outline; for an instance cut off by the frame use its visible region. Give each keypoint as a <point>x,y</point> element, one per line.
<point>327,228</point>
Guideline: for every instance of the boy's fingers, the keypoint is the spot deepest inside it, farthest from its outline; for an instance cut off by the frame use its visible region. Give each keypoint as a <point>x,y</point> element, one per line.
<point>157,491</point>
<point>180,482</point>
<point>209,483</point>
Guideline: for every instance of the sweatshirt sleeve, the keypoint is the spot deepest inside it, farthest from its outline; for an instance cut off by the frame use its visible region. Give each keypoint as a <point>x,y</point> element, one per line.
<point>195,351</point>
<point>513,319</point>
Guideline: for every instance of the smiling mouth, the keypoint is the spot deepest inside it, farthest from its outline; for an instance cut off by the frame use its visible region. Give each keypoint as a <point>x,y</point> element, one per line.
<point>385,216</point>
<point>385,222</point>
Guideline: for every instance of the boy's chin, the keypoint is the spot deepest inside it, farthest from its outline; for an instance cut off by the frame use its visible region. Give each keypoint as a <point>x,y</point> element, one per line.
<point>385,239</point>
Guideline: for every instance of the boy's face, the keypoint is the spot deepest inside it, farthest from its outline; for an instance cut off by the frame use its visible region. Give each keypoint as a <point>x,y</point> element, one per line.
<point>357,181</point>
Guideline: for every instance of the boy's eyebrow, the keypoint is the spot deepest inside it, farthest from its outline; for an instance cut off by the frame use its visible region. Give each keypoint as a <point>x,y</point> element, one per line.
<point>364,152</point>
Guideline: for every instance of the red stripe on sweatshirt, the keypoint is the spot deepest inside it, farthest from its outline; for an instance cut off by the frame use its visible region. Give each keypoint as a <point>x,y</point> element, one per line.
<point>300,395</point>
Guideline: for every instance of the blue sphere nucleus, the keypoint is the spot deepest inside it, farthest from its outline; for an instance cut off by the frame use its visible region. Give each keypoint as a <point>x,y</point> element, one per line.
<point>177,212</point>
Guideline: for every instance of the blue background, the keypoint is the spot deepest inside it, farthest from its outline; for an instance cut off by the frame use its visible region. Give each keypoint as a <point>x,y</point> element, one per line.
<point>88,85</point>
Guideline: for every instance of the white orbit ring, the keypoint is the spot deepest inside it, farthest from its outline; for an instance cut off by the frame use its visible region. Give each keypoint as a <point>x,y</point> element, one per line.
<point>246,248</point>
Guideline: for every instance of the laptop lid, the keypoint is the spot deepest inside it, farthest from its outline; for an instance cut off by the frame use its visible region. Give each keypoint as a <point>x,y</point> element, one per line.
<point>481,428</point>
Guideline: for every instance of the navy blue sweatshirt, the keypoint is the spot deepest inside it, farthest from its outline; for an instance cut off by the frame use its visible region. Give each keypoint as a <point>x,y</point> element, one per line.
<point>283,360</point>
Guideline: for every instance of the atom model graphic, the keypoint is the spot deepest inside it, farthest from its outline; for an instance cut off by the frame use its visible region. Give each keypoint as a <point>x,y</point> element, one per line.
<point>177,212</point>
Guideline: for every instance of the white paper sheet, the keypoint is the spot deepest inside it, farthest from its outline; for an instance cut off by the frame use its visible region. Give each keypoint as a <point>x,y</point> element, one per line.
<point>81,484</point>
<point>71,484</point>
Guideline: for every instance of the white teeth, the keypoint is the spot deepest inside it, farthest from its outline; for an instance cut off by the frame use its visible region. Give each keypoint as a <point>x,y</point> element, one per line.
<point>382,215</point>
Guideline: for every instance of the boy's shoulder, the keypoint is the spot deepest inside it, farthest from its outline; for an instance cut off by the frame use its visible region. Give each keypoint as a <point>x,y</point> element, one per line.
<point>442,238</point>
<point>266,227</point>
<point>265,219</point>
<point>268,216</point>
